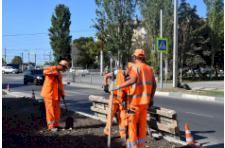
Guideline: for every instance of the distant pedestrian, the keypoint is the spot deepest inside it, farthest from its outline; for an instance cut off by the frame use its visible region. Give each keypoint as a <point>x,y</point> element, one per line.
<point>52,90</point>
<point>106,70</point>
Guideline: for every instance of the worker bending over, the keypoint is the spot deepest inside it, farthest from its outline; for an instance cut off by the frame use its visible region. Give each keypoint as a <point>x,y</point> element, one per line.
<point>52,90</point>
<point>141,91</point>
<point>119,98</point>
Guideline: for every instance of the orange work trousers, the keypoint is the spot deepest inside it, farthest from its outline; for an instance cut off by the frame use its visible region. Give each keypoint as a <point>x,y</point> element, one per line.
<point>137,115</point>
<point>53,112</point>
<point>121,118</point>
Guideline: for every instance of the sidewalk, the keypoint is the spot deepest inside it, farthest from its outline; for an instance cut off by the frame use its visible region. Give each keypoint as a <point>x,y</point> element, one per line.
<point>158,93</point>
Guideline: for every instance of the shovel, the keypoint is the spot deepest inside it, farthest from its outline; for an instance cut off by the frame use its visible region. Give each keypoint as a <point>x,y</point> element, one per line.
<point>69,120</point>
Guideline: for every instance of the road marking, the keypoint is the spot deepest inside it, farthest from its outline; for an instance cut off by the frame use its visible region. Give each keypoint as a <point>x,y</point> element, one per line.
<point>75,92</point>
<point>198,114</point>
<point>94,92</point>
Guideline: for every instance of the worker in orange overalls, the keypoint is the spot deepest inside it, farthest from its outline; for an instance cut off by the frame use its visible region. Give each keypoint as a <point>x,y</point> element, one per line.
<point>119,99</point>
<point>142,88</point>
<point>52,90</point>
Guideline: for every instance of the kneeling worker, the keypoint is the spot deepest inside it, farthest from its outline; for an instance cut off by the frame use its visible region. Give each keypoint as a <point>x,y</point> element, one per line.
<point>52,91</point>
<point>119,98</point>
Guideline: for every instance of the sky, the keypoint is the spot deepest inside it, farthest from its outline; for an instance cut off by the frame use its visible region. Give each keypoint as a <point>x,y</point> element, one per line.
<point>25,25</point>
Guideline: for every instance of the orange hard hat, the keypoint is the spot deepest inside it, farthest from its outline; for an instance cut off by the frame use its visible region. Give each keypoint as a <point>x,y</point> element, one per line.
<point>64,63</point>
<point>139,53</point>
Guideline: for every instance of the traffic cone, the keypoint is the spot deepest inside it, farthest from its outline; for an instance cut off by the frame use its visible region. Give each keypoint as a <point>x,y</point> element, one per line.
<point>8,87</point>
<point>33,95</point>
<point>189,138</point>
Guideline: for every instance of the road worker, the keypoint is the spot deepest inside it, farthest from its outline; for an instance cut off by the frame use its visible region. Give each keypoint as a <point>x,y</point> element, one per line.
<point>142,88</point>
<point>52,91</point>
<point>119,99</point>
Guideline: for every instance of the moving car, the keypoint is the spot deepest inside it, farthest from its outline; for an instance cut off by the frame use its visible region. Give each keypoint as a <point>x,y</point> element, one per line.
<point>35,76</point>
<point>10,69</point>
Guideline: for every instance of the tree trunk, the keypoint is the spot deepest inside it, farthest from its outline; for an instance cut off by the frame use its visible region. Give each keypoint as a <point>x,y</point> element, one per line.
<point>212,62</point>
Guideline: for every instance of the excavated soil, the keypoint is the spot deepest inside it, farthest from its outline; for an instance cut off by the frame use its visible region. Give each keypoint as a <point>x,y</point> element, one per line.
<point>24,125</point>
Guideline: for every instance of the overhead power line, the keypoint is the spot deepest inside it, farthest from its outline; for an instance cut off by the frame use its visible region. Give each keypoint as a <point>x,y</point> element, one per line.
<point>42,33</point>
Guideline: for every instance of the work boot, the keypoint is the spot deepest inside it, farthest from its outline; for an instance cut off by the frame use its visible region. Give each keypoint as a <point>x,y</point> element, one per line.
<point>54,129</point>
<point>59,128</point>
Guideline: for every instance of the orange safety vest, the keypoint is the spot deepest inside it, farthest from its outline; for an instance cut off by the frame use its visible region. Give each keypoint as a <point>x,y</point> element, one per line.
<point>120,93</point>
<point>140,92</point>
<point>50,87</point>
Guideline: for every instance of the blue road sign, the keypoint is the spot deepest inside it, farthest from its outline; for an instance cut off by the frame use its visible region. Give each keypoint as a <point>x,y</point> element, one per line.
<point>162,45</point>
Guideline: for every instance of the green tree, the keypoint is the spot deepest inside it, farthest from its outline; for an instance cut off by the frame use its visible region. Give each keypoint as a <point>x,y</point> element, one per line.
<point>88,49</point>
<point>17,60</point>
<point>59,33</point>
<point>115,26</point>
<point>150,11</point>
<point>3,61</point>
<point>215,15</point>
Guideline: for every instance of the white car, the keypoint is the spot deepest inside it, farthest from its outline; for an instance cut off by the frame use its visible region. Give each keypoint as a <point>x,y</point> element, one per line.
<point>10,69</point>
<point>72,69</point>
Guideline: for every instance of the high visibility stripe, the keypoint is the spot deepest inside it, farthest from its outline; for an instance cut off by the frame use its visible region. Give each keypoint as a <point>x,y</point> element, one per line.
<point>187,132</point>
<point>51,72</point>
<point>53,122</point>
<point>131,112</point>
<point>189,139</point>
<point>131,144</point>
<point>142,83</point>
<point>122,130</point>
<point>106,129</point>
<point>139,95</point>
<point>141,141</point>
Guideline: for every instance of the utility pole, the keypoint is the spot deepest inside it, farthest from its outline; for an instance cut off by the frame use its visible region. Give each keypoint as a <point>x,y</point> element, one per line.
<point>28,58</point>
<point>161,54</point>
<point>22,62</point>
<point>50,58</point>
<point>101,73</point>
<point>35,60</point>
<point>5,55</point>
<point>175,44</point>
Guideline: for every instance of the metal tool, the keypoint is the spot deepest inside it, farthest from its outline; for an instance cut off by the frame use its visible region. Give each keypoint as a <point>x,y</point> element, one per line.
<point>69,120</point>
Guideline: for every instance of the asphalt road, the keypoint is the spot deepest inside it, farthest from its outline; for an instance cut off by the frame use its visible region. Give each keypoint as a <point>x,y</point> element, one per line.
<point>98,80</point>
<point>205,119</point>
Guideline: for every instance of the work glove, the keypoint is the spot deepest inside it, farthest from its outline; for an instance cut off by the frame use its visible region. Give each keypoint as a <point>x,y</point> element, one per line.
<point>106,88</point>
<point>113,87</point>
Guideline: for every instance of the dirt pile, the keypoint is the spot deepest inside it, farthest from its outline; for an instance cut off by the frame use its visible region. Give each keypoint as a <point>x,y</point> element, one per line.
<point>24,125</point>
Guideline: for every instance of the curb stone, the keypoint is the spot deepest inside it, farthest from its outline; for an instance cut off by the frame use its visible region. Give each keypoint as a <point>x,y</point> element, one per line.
<point>94,117</point>
<point>180,95</point>
<point>189,96</point>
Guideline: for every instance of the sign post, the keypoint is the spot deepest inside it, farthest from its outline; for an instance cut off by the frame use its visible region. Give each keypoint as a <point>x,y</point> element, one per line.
<point>162,47</point>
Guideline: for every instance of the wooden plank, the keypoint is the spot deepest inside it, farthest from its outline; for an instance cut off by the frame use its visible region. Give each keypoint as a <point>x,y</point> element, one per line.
<point>99,105</point>
<point>164,112</point>
<point>99,110</point>
<point>162,127</point>
<point>98,99</point>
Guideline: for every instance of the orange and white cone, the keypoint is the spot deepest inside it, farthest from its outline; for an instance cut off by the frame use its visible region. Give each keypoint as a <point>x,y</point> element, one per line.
<point>189,138</point>
<point>8,87</point>
<point>33,95</point>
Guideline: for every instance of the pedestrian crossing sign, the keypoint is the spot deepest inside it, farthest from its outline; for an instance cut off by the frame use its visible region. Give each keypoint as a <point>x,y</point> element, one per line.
<point>162,45</point>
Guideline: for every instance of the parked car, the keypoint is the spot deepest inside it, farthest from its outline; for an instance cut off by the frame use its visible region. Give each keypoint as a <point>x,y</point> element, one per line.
<point>85,71</point>
<point>9,69</point>
<point>34,76</point>
<point>72,69</point>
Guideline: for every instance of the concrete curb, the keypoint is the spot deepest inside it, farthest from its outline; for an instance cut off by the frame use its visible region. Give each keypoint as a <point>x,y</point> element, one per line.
<point>169,94</point>
<point>189,96</point>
